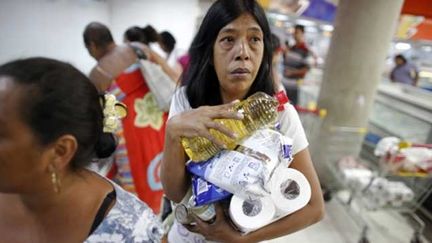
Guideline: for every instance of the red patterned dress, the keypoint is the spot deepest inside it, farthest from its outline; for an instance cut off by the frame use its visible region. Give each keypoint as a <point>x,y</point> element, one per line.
<point>136,165</point>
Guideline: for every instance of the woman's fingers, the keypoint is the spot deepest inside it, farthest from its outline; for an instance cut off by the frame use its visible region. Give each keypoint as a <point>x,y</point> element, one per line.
<point>227,112</point>
<point>200,121</point>
<point>221,128</point>
<point>206,134</point>
<point>220,215</point>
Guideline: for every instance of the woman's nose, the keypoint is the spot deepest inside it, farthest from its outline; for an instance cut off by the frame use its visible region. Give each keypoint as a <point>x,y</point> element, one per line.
<point>242,51</point>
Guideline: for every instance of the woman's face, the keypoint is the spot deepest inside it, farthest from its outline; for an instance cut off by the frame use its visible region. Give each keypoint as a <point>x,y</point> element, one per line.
<point>21,156</point>
<point>237,56</point>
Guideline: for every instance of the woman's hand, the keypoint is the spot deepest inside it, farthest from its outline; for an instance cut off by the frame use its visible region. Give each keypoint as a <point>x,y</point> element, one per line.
<point>197,122</point>
<point>220,230</point>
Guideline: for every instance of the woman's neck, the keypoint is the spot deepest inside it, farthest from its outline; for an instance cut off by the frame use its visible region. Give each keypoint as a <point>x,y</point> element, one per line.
<point>57,216</point>
<point>230,97</point>
<point>46,199</point>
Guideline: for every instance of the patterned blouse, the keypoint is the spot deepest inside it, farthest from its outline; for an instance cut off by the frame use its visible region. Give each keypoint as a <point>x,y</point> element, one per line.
<point>129,220</point>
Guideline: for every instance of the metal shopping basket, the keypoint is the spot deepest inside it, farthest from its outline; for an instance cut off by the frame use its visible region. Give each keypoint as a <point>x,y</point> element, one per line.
<point>400,164</point>
<point>341,149</point>
<point>393,184</point>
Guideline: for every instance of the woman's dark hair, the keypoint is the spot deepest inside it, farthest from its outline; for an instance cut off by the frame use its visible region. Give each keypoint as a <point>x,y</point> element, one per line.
<point>201,76</point>
<point>299,27</point>
<point>144,35</point>
<point>135,33</point>
<point>151,34</point>
<point>168,41</point>
<point>51,110</point>
<point>401,57</point>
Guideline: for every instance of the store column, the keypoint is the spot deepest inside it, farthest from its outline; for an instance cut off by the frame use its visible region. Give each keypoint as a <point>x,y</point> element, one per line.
<point>353,68</point>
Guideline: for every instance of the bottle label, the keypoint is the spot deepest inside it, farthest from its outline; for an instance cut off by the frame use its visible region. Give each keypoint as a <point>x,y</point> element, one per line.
<point>206,212</point>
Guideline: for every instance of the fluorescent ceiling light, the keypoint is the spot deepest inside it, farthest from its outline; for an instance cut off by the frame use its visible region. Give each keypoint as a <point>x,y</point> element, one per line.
<point>403,46</point>
<point>280,17</point>
<point>327,27</point>
<point>305,22</point>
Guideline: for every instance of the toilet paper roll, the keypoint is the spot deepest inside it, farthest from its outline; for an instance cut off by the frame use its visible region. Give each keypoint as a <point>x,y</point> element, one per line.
<point>249,215</point>
<point>290,190</point>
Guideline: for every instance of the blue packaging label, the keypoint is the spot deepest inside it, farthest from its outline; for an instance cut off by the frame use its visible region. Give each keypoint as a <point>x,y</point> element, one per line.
<point>198,169</point>
<point>205,192</point>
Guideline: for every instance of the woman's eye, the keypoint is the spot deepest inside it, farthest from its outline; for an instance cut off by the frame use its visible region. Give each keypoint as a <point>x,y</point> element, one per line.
<point>227,39</point>
<point>256,39</point>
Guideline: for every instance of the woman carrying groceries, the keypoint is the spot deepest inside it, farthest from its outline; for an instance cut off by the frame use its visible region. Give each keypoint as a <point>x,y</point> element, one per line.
<point>231,59</point>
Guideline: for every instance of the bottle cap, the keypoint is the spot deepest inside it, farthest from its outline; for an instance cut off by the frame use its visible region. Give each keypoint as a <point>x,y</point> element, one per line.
<point>282,98</point>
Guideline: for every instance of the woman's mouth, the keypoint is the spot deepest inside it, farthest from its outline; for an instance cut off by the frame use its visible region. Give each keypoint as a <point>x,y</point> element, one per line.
<point>240,72</point>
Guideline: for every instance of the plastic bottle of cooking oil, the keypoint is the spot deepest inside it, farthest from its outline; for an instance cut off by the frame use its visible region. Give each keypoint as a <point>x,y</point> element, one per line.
<point>259,110</point>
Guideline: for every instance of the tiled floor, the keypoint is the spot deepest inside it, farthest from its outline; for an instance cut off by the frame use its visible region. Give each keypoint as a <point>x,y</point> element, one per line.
<point>339,226</point>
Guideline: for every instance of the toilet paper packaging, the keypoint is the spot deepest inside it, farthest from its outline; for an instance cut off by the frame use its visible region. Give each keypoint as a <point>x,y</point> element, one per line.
<point>276,146</point>
<point>246,171</point>
<point>234,172</point>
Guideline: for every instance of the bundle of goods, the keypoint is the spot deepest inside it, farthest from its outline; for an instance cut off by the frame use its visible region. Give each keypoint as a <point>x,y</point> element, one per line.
<point>256,177</point>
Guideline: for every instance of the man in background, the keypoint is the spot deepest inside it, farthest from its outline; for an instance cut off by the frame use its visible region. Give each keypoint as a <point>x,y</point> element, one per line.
<point>296,63</point>
<point>404,71</point>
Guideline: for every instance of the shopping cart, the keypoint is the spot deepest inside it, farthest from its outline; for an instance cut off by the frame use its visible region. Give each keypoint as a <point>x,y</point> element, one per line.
<point>389,185</point>
<point>340,156</point>
<point>415,173</point>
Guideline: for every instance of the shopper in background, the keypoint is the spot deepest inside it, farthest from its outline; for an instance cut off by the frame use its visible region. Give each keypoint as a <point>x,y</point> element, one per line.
<point>167,42</point>
<point>277,54</point>
<point>144,35</point>
<point>135,34</point>
<point>296,63</point>
<point>141,138</point>
<point>231,59</point>
<point>404,72</point>
<point>147,35</point>
<point>52,128</point>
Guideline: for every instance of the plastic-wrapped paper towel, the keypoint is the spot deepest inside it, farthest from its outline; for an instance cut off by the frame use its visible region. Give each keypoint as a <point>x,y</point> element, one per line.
<point>387,144</point>
<point>417,158</point>
<point>381,192</point>
<point>397,193</point>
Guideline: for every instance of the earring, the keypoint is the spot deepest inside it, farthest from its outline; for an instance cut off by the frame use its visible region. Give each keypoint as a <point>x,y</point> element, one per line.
<point>56,182</point>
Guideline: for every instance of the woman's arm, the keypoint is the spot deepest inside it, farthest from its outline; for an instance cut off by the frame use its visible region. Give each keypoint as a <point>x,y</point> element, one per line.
<point>310,214</point>
<point>110,66</point>
<point>191,123</point>
<point>173,171</point>
<point>171,72</point>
